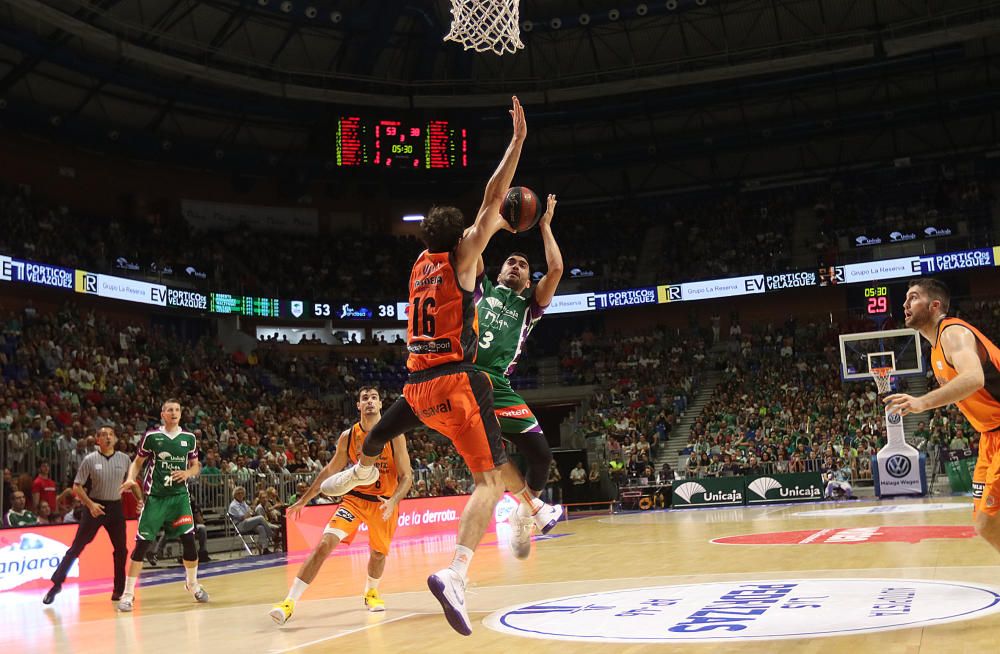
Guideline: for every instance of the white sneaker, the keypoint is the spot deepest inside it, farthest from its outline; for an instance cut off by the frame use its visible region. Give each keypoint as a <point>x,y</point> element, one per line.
<point>125,603</point>
<point>449,589</point>
<point>345,480</point>
<point>200,594</point>
<point>547,517</point>
<point>521,525</point>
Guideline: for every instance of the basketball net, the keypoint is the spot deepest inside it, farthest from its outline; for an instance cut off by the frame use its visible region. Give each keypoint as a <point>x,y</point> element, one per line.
<point>486,25</point>
<point>883,379</point>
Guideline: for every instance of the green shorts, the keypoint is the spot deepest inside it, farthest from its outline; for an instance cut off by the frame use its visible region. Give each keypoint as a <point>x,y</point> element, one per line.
<point>172,513</point>
<point>514,415</point>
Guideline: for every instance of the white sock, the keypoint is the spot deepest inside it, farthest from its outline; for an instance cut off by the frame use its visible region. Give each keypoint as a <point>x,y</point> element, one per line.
<point>463,557</point>
<point>295,592</point>
<point>192,577</point>
<point>372,583</point>
<point>130,585</point>
<point>362,471</point>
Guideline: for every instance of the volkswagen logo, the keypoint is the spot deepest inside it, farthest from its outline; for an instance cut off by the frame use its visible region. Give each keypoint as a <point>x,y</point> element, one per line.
<point>898,466</point>
<point>894,418</point>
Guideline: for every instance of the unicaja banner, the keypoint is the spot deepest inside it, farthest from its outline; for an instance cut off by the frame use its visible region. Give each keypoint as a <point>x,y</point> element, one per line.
<point>797,487</point>
<point>898,468</point>
<point>709,491</point>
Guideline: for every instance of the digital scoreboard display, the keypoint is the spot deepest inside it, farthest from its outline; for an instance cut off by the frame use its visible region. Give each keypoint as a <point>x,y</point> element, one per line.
<point>434,145</point>
<point>245,305</point>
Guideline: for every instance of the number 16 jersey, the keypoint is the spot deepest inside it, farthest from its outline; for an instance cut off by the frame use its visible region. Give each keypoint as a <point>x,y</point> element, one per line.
<point>443,326</point>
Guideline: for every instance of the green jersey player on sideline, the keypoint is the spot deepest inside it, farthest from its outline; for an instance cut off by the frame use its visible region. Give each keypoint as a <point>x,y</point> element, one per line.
<point>172,453</point>
<point>508,310</point>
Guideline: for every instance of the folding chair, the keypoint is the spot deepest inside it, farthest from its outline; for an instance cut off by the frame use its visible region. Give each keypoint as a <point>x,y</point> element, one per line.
<point>243,538</point>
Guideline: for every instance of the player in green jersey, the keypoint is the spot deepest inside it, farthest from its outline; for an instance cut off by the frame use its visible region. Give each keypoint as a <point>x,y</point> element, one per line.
<point>508,310</point>
<point>172,454</point>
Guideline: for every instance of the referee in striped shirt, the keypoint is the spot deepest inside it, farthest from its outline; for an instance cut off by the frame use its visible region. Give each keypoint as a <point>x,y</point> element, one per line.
<point>105,470</point>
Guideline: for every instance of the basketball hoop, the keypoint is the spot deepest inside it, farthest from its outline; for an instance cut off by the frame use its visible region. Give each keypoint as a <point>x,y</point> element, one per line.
<point>883,379</point>
<point>486,25</point>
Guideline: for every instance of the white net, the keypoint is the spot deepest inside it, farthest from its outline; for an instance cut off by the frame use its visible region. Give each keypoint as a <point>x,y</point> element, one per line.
<point>883,379</point>
<point>486,25</point>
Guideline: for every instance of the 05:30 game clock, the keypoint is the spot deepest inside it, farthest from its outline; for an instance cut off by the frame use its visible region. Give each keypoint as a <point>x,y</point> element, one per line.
<point>873,300</point>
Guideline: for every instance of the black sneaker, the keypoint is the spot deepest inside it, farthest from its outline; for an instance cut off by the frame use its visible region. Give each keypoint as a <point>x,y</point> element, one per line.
<point>51,595</point>
<point>151,557</point>
<point>115,597</point>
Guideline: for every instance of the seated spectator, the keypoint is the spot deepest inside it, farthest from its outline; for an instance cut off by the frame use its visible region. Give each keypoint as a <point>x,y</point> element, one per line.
<point>19,515</point>
<point>246,522</point>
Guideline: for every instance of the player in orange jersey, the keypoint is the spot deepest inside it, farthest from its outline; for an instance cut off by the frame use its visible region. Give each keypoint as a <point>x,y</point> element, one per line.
<point>967,367</point>
<point>376,505</point>
<point>445,391</point>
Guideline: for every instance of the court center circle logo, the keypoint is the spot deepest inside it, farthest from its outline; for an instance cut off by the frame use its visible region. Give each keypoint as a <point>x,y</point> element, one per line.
<point>898,466</point>
<point>747,610</point>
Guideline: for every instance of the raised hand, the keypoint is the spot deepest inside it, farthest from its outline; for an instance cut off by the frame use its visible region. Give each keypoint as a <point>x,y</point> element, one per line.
<point>520,125</point>
<point>550,209</point>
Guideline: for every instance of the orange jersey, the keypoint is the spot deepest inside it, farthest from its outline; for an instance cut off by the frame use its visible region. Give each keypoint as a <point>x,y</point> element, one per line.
<point>982,408</point>
<point>444,325</point>
<point>388,478</point>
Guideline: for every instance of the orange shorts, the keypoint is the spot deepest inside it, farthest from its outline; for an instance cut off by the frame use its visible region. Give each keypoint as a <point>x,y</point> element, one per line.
<point>460,406</point>
<point>355,510</point>
<point>986,477</point>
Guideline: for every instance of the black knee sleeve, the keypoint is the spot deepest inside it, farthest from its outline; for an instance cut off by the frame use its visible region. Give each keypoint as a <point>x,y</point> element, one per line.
<point>398,419</point>
<point>537,456</point>
<point>140,549</point>
<point>187,543</point>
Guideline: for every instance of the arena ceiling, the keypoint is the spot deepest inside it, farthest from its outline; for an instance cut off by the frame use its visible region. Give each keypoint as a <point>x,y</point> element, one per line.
<point>268,73</point>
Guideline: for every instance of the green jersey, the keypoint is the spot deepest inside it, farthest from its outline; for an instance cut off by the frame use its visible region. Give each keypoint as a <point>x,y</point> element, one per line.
<point>21,518</point>
<point>165,454</point>
<point>505,320</point>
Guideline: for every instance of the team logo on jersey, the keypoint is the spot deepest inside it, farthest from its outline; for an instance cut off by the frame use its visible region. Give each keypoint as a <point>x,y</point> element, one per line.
<point>940,365</point>
<point>494,303</point>
<point>163,456</point>
<point>747,610</point>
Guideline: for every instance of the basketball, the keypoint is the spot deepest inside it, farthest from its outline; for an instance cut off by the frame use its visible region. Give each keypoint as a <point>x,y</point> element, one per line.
<point>521,208</point>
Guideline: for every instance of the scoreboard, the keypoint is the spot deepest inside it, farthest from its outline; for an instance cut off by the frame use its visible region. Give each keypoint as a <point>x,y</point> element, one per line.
<point>244,305</point>
<point>387,143</point>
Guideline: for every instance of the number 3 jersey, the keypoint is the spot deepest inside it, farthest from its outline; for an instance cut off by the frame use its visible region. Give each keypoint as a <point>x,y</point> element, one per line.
<point>505,320</point>
<point>164,454</point>
<point>442,325</point>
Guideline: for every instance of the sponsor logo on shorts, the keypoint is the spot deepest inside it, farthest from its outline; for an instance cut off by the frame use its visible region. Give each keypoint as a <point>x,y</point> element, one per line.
<point>519,411</point>
<point>852,536</point>
<point>747,610</point>
<point>183,520</point>
<point>429,412</point>
<point>345,515</point>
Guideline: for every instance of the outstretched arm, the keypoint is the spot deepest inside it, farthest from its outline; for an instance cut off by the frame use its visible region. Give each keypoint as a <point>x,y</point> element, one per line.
<point>962,349</point>
<point>553,257</point>
<point>488,220</point>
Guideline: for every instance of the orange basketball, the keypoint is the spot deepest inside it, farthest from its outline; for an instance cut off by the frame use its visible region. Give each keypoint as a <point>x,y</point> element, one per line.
<point>521,208</point>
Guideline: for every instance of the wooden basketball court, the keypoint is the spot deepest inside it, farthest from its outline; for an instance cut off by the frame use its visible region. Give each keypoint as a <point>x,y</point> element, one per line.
<point>590,556</point>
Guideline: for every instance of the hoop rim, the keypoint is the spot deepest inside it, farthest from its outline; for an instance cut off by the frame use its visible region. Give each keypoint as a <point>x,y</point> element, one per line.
<point>882,371</point>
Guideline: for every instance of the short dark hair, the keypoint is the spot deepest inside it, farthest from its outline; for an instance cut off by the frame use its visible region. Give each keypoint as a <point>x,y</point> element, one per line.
<point>519,254</point>
<point>442,228</point>
<point>936,290</point>
<point>369,388</point>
